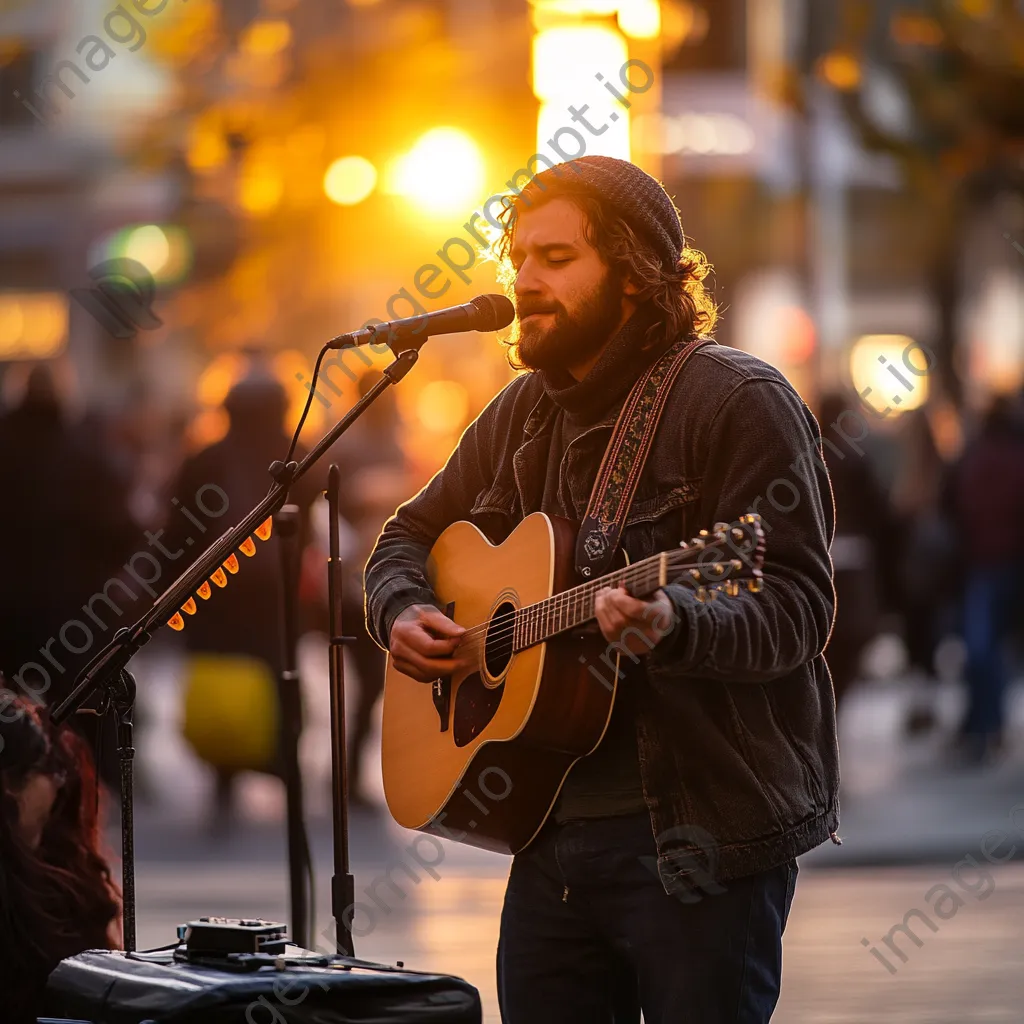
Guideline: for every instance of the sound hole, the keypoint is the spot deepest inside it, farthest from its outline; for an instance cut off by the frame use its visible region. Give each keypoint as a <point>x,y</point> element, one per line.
<point>476,702</point>
<point>498,646</point>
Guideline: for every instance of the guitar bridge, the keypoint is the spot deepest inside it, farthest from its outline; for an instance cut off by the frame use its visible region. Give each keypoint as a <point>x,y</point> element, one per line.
<point>441,689</point>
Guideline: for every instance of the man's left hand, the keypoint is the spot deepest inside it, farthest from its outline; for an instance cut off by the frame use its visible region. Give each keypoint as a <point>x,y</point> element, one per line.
<point>639,625</point>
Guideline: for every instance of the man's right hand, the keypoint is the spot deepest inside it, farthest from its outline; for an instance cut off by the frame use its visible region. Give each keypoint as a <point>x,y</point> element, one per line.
<point>423,642</point>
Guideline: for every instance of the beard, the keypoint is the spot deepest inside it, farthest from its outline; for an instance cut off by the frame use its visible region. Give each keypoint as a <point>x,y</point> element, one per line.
<point>565,339</point>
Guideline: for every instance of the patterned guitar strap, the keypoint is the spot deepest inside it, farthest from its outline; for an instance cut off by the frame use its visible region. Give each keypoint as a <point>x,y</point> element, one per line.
<point>624,460</point>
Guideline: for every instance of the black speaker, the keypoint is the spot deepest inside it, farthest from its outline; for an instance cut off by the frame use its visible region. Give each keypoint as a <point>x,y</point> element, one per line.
<point>295,987</point>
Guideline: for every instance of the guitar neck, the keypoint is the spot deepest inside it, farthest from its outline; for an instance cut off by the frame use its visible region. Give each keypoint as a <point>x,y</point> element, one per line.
<point>572,608</point>
<point>713,561</point>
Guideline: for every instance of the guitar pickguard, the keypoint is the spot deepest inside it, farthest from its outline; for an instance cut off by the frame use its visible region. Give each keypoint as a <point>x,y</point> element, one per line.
<point>475,705</point>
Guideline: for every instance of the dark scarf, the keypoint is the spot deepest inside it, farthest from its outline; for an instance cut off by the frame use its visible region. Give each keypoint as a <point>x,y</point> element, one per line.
<point>621,362</point>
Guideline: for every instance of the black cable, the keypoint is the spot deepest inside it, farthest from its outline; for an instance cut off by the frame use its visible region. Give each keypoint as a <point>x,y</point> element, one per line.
<point>309,402</point>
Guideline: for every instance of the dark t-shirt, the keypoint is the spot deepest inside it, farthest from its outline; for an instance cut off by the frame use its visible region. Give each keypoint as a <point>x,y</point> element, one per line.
<point>607,781</point>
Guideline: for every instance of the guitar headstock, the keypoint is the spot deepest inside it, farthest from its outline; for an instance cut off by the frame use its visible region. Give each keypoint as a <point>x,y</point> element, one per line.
<point>726,558</point>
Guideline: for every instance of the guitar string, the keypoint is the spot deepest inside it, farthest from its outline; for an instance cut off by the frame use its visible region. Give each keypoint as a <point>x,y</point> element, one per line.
<point>500,630</point>
<point>562,601</point>
<point>565,600</point>
<point>482,636</point>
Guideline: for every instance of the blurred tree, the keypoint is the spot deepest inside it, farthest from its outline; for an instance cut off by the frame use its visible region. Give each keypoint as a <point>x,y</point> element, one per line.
<point>939,85</point>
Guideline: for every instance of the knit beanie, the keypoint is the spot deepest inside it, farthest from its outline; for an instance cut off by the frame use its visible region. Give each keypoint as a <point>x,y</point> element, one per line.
<point>640,199</point>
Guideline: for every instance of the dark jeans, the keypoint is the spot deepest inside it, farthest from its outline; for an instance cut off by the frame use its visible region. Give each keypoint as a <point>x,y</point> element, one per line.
<point>589,936</point>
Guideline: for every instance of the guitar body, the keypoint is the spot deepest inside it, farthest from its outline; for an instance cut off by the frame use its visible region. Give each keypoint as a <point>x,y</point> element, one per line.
<point>480,758</point>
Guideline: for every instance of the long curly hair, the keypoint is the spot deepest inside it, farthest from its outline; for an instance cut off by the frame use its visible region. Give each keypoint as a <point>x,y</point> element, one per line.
<point>58,898</point>
<point>680,305</point>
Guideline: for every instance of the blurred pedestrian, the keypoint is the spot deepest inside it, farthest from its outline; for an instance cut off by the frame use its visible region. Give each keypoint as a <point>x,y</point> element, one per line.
<point>989,503</point>
<point>862,550</point>
<point>65,530</point>
<point>235,638</point>
<point>928,570</point>
<point>57,897</point>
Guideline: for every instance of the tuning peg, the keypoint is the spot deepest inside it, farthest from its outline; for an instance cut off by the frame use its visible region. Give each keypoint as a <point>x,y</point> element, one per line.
<point>702,594</point>
<point>756,585</point>
<point>737,534</point>
<point>703,533</point>
<point>713,592</point>
<point>695,575</point>
<point>732,588</point>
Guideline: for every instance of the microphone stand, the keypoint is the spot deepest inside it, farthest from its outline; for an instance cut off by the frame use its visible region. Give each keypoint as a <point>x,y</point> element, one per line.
<point>103,674</point>
<point>290,702</point>
<point>343,885</point>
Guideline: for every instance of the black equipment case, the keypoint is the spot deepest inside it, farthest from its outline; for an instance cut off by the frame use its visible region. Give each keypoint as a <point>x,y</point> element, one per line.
<point>101,987</point>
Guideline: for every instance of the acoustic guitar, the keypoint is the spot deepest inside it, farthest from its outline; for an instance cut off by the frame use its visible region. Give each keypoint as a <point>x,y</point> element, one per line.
<point>480,757</point>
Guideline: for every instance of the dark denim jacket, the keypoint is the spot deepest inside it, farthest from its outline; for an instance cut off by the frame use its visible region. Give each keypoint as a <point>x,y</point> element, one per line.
<point>736,724</point>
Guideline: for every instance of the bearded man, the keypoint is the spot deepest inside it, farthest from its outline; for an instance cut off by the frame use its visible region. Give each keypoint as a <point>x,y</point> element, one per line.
<point>664,875</point>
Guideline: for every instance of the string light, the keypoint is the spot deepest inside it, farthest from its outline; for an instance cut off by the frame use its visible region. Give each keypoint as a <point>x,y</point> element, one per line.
<point>219,576</point>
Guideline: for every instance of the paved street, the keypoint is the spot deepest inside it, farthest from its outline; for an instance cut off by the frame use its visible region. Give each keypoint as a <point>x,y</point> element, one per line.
<point>901,806</point>
<point>967,971</point>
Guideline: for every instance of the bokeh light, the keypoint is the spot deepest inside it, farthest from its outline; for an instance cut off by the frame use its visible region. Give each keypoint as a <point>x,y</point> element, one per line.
<point>888,371</point>
<point>565,60</point>
<point>166,251</point>
<point>443,173</point>
<point>265,38</point>
<point>150,247</point>
<point>640,19</point>
<point>840,70</point>
<point>33,325</point>
<point>261,185</point>
<point>349,180</point>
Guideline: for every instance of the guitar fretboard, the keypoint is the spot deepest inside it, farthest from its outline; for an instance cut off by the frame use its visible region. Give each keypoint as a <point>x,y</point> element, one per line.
<point>538,622</point>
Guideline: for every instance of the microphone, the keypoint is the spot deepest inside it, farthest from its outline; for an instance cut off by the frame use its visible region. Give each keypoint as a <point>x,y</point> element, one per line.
<point>484,313</point>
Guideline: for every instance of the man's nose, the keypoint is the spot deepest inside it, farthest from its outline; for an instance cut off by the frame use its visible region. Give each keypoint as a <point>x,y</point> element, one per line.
<point>527,281</point>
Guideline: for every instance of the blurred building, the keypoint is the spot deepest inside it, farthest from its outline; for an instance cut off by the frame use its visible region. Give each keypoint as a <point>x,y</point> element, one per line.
<point>818,241</point>
<point>284,171</point>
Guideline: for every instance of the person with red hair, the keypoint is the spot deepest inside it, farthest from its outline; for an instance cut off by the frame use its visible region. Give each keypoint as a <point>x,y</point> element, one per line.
<point>57,897</point>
